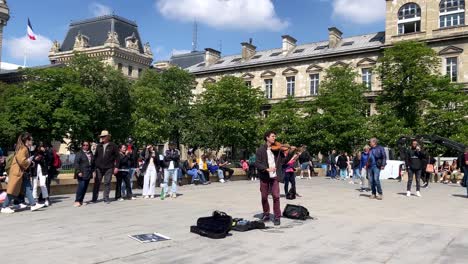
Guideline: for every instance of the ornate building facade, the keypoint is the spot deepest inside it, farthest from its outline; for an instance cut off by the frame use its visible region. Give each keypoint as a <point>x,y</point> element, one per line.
<point>297,70</point>
<point>113,39</point>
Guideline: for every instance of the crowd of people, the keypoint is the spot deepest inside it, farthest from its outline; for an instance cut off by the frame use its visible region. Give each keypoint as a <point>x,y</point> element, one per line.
<point>273,163</point>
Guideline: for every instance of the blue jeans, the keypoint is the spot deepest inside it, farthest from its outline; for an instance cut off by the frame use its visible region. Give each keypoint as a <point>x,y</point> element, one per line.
<point>81,190</point>
<point>196,174</point>
<point>131,171</point>
<point>170,174</point>
<point>343,173</point>
<point>27,191</point>
<point>374,180</point>
<point>466,178</point>
<point>357,175</point>
<point>332,171</point>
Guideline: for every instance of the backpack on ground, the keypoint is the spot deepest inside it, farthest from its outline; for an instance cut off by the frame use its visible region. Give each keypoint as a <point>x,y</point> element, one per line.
<point>8,162</point>
<point>216,226</point>
<point>296,212</point>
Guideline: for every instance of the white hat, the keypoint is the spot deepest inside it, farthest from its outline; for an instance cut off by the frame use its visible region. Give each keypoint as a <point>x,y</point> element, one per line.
<point>104,133</point>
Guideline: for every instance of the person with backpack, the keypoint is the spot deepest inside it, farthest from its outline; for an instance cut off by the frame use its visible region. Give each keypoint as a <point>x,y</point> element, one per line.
<point>19,176</point>
<point>342,163</point>
<point>252,169</point>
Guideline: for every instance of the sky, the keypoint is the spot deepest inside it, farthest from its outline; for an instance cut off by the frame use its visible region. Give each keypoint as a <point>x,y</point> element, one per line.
<point>168,24</point>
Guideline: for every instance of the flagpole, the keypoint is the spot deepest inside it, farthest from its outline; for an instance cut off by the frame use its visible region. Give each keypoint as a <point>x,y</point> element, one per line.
<point>25,58</point>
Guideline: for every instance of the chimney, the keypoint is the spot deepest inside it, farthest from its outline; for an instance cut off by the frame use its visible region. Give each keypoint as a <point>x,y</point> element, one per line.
<point>334,37</point>
<point>289,43</point>
<point>211,56</point>
<point>248,50</point>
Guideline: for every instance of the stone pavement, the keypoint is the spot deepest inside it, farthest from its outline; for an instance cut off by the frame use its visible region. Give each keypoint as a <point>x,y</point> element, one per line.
<point>350,228</point>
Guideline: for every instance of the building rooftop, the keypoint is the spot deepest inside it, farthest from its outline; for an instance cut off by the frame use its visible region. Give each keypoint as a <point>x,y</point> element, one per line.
<point>188,59</point>
<point>314,49</point>
<point>96,29</point>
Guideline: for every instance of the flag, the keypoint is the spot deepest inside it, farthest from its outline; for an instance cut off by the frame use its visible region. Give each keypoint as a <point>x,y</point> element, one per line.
<point>31,34</point>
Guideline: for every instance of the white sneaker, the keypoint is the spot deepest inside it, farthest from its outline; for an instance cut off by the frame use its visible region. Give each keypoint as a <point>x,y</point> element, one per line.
<point>151,197</point>
<point>222,181</point>
<point>120,199</point>
<point>37,206</point>
<point>145,196</point>
<point>250,179</point>
<point>174,195</point>
<point>408,193</point>
<point>418,194</point>
<point>47,203</point>
<point>7,210</point>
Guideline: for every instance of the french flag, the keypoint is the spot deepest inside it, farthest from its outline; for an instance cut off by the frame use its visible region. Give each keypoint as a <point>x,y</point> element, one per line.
<point>31,34</point>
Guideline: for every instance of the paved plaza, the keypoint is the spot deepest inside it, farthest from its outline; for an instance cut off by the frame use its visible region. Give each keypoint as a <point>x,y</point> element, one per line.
<point>350,228</point>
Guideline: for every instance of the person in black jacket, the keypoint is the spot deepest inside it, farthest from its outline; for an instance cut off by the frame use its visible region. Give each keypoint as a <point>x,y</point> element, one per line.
<point>269,165</point>
<point>84,171</point>
<point>171,169</point>
<point>124,163</point>
<point>414,163</point>
<point>39,175</point>
<point>306,162</point>
<point>107,154</point>
<point>342,163</point>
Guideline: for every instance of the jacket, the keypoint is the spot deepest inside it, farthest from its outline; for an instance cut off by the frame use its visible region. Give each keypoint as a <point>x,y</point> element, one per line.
<point>171,155</point>
<point>19,165</point>
<point>106,160</point>
<point>261,162</point>
<point>82,165</point>
<point>356,163</point>
<point>305,157</point>
<point>342,162</point>
<point>34,168</point>
<point>414,159</point>
<point>364,159</point>
<point>377,157</point>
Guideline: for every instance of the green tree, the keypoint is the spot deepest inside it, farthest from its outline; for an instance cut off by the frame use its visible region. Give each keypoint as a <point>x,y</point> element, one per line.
<point>162,105</point>
<point>74,102</point>
<point>286,120</point>
<point>337,118</point>
<point>228,114</point>
<point>416,94</point>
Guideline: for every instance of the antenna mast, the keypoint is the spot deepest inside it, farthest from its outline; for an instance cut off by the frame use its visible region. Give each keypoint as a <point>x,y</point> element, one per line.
<point>195,36</point>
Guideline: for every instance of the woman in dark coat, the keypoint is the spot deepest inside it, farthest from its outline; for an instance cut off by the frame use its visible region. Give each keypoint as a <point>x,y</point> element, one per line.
<point>84,170</point>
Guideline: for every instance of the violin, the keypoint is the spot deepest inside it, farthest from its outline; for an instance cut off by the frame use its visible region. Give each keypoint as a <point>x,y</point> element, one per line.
<point>279,147</point>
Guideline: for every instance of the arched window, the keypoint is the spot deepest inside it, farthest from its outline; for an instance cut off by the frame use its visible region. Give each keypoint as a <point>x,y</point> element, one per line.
<point>452,13</point>
<point>409,19</point>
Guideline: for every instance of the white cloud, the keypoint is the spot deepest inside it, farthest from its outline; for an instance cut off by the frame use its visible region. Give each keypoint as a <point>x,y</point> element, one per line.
<point>34,49</point>
<point>231,14</point>
<point>358,12</point>
<point>98,9</point>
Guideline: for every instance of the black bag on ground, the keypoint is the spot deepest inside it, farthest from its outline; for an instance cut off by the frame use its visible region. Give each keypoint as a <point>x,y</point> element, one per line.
<point>296,212</point>
<point>242,225</point>
<point>216,226</point>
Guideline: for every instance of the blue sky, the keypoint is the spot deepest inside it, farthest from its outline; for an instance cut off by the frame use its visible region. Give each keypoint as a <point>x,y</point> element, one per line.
<point>167,24</point>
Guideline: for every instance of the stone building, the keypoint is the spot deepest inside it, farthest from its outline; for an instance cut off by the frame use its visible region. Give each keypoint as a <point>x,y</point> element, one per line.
<point>297,70</point>
<point>113,39</point>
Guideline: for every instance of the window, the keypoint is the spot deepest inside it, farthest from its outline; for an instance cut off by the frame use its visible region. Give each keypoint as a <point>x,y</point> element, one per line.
<point>367,78</point>
<point>299,51</point>
<point>290,85</point>
<point>275,54</point>
<point>119,67</point>
<point>266,113</point>
<point>314,84</point>
<point>349,43</point>
<point>219,62</point>
<point>321,47</point>
<point>130,70</point>
<point>139,72</point>
<point>409,19</point>
<point>236,59</point>
<point>201,65</point>
<point>248,83</point>
<point>452,13</point>
<point>256,57</point>
<point>269,88</point>
<point>452,69</point>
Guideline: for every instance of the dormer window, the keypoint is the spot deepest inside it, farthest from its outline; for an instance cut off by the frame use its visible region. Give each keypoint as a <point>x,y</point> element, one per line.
<point>409,19</point>
<point>452,13</point>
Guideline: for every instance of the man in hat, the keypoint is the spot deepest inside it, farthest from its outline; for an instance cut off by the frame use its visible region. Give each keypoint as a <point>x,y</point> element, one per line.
<point>106,157</point>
